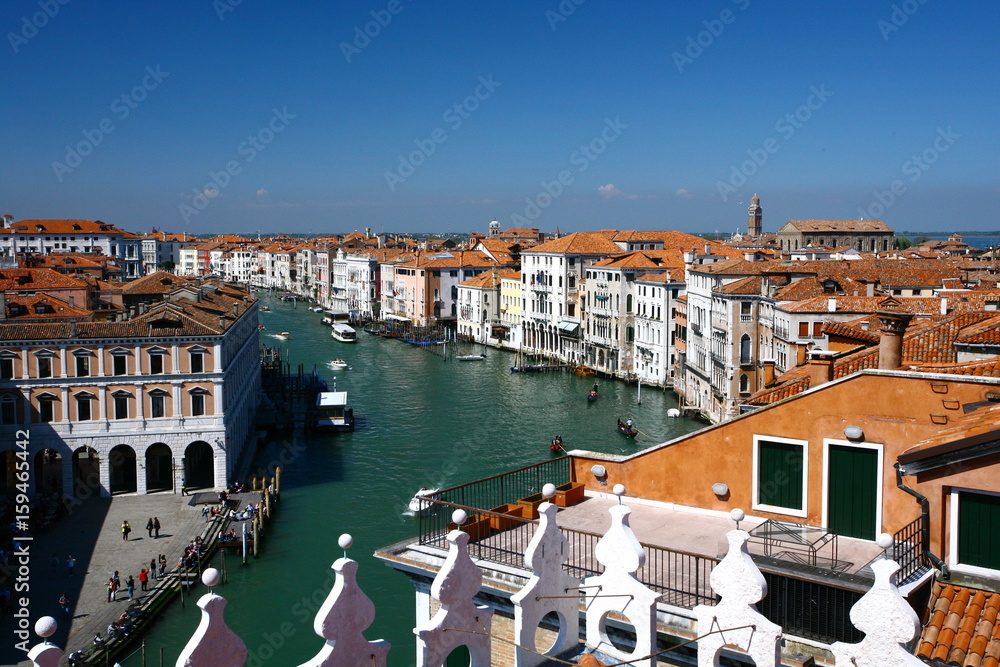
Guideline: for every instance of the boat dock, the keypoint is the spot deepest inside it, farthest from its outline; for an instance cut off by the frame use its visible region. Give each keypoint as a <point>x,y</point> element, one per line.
<point>290,398</point>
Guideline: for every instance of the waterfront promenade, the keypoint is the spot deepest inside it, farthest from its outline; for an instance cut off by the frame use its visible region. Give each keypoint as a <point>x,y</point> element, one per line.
<point>92,534</point>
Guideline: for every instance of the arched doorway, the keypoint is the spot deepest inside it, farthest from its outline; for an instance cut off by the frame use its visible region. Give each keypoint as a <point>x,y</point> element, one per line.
<point>121,461</point>
<point>48,472</point>
<point>86,472</point>
<point>9,476</point>
<point>159,468</point>
<point>199,465</point>
<point>460,657</point>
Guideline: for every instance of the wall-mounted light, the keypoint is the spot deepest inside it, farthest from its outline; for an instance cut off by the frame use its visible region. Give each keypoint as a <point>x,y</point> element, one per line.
<point>854,433</point>
<point>599,471</point>
<point>720,489</point>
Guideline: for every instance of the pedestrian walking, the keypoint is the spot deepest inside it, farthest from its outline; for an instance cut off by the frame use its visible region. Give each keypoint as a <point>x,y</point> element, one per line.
<point>184,486</point>
<point>130,587</point>
<point>152,568</point>
<point>149,526</point>
<point>118,581</point>
<point>156,526</point>
<point>111,589</point>
<point>126,529</point>
<point>64,605</point>
<point>143,579</point>
<point>163,565</point>
<point>70,564</point>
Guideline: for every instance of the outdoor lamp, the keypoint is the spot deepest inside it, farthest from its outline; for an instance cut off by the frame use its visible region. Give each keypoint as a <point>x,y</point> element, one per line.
<point>720,489</point>
<point>854,433</point>
<point>599,471</point>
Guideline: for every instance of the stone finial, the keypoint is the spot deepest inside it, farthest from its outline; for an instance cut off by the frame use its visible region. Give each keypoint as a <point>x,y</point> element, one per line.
<point>213,643</point>
<point>346,613</point>
<point>458,620</point>
<point>741,586</point>
<point>618,591</point>
<point>45,654</point>
<point>545,555</point>
<point>887,621</point>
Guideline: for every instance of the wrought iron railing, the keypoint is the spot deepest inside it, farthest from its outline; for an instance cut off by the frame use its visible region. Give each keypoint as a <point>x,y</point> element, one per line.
<point>909,548</point>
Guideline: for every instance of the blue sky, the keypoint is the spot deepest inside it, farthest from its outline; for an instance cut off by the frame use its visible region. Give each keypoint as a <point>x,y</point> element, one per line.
<point>244,115</point>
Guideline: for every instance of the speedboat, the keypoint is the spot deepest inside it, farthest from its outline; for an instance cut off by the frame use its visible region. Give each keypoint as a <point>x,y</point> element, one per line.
<point>419,503</point>
<point>326,320</point>
<point>283,335</point>
<point>471,357</point>
<point>339,364</point>
<point>265,309</point>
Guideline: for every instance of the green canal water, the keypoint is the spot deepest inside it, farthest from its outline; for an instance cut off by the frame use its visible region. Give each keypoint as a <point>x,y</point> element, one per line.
<point>421,422</point>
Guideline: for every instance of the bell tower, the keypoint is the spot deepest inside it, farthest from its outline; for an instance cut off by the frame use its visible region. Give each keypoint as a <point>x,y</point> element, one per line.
<point>495,229</point>
<point>755,215</point>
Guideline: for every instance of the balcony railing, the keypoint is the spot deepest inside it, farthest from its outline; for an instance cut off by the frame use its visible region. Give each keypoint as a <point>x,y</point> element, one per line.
<point>803,605</point>
<point>909,549</point>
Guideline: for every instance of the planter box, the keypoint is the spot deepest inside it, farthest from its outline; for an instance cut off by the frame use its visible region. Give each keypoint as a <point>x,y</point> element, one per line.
<point>502,522</point>
<point>530,505</point>
<point>477,526</point>
<point>569,494</point>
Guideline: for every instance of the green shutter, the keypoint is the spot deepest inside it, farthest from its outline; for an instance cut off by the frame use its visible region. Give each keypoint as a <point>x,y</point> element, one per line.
<point>852,502</point>
<point>779,474</point>
<point>978,520</point>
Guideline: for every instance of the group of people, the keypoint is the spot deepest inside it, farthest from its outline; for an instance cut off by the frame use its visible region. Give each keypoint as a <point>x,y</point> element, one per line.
<point>152,528</point>
<point>192,553</point>
<point>115,584</point>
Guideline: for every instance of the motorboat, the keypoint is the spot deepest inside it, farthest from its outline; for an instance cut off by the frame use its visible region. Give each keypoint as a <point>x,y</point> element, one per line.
<point>265,309</point>
<point>471,357</point>
<point>673,412</point>
<point>283,335</point>
<point>419,504</point>
<point>326,320</point>
<point>339,364</point>
<point>344,333</point>
<point>316,309</point>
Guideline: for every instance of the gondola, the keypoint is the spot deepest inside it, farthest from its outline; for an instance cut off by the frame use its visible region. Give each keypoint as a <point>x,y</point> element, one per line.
<point>557,444</point>
<point>626,430</point>
<point>592,394</point>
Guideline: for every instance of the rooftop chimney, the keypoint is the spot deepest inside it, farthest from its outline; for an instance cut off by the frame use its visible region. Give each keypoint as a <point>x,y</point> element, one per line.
<point>870,289</point>
<point>831,304</point>
<point>750,256</point>
<point>768,365</point>
<point>708,248</point>
<point>821,367</point>
<point>8,220</point>
<point>801,349</point>
<point>944,305</point>
<point>890,347</point>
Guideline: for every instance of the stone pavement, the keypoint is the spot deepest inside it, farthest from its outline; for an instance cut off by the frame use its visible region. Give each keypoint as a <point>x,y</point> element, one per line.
<point>92,534</point>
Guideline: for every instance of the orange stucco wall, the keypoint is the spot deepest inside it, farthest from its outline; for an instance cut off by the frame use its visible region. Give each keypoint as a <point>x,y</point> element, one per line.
<point>894,411</point>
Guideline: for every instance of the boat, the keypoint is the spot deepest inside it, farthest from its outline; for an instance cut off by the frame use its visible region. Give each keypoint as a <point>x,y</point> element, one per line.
<point>316,309</point>
<point>419,503</point>
<point>584,371</point>
<point>344,333</point>
<point>557,444</point>
<point>626,430</point>
<point>592,394</point>
<point>471,357</point>
<point>339,364</point>
<point>283,335</point>
<point>261,327</point>
<point>265,309</point>
<point>332,412</point>
<point>673,412</point>
<point>326,320</point>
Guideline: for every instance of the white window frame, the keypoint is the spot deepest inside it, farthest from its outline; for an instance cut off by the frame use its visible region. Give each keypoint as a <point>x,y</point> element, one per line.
<point>880,448</point>
<point>953,554</point>
<point>788,511</point>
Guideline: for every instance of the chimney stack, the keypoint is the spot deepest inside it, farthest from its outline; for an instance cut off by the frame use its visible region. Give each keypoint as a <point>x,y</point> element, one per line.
<point>944,305</point>
<point>831,304</point>
<point>821,367</point>
<point>890,347</point>
<point>708,248</point>
<point>801,350</point>
<point>768,365</point>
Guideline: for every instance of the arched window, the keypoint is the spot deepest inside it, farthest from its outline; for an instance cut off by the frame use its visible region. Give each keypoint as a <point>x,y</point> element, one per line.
<point>744,383</point>
<point>745,350</point>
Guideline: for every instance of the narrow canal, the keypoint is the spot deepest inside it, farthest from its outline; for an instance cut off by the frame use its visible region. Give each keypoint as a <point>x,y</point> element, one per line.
<point>421,422</point>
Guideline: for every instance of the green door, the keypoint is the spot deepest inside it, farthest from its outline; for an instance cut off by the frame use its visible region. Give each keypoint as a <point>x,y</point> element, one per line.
<point>852,488</point>
<point>978,521</point>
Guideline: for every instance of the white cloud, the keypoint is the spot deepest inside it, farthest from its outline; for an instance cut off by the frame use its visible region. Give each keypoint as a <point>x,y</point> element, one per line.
<point>262,193</point>
<point>683,194</point>
<point>611,191</point>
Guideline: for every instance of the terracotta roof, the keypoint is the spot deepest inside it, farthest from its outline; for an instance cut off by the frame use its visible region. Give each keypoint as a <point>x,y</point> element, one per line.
<point>672,276</point>
<point>846,330</point>
<point>62,227</point>
<point>159,282</point>
<point>37,279</point>
<point>984,333</point>
<point>579,243</point>
<point>643,259</point>
<point>862,304</point>
<point>25,308</point>
<point>839,225</point>
<point>962,628</point>
<point>751,285</point>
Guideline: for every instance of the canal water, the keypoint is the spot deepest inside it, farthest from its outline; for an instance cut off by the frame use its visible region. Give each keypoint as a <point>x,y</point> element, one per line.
<point>421,421</point>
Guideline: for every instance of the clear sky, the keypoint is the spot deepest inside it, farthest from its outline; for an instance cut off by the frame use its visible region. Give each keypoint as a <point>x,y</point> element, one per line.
<point>245,115</point>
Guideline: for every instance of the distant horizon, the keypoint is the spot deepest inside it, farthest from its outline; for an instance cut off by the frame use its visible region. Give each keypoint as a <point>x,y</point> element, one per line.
<point>328,117</point>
